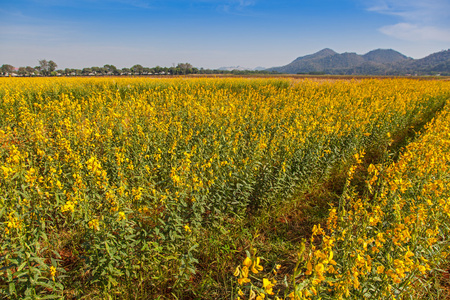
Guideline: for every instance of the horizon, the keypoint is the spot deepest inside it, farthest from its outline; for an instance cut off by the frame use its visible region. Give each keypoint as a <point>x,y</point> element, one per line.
<point>212,34</point>
<point>238,67</point>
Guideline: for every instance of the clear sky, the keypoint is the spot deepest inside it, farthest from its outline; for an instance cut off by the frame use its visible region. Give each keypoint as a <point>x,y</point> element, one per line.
<point>214,33</point>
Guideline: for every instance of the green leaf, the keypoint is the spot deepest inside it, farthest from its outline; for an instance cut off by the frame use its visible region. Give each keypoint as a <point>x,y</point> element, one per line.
<point>21,266</point>
<point>38,260</point>
<point>107,249</point>
<point>54,262</point>
<point>20,274</point>
<point>45,284</point>
<point>2,211</point>
<point>44,235</point>
<point>12,288</point>
<point>9,274</point>
<point>112,280</point>
<point>52,297</point>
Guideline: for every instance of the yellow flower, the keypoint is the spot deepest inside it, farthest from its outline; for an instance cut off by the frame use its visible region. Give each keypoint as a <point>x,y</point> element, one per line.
<point>244,271</point>
<point>52,272</point>
<point>243,280</point>
<point>380,269</point>
<point>187,228</point>
<point>422,269</point>
<point>261,296</point>
<point>256,267</point>
<point>69,206</point>
<point>247,262</point>
<point>267,285</point>
<point>94,224</point>
<point>13,222</point>
<point>319,268</point>
<point>122,216</point>
<point>308,268</point>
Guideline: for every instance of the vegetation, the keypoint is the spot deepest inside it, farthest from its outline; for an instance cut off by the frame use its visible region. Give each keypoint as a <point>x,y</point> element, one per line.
<point>48,68</point>
<point>139,188</point>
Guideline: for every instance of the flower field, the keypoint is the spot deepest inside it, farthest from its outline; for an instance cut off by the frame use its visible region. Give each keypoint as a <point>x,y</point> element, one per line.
<point>138,188</point>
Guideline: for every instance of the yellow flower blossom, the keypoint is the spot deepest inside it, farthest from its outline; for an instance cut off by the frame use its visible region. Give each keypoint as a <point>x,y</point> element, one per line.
<point>256,267</point>
<point>53,272</point>
<point>267,286</point>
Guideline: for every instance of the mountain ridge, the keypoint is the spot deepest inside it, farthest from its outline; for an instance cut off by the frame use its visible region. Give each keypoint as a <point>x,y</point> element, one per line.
<point>374,62</point>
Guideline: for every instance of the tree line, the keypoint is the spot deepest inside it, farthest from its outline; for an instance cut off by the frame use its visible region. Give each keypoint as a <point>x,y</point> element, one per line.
<point>49,68</point>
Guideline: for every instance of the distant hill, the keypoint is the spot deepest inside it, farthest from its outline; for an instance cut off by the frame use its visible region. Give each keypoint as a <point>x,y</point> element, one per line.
<point>239,68</point>
<point>438,62</point>
<point>375,62</point>
<point>321,54</point>
<point>259,69</point>
<point>384,56</point>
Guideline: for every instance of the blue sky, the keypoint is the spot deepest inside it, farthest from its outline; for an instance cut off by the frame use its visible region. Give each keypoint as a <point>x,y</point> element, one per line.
<point>214,33</point>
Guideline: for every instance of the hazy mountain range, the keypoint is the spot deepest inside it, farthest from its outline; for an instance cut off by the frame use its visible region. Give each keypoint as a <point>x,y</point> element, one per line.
<point>239,68</point>
<point>375,62</point>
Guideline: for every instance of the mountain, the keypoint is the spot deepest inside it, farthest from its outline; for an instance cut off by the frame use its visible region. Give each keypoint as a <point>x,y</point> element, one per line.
<point>308,63</point>
<point>239,68</point>
<point>321,54</point>
<point>383,56</point>
<point>438,62</point>
<point>259,69</point>
<point>375,62</point>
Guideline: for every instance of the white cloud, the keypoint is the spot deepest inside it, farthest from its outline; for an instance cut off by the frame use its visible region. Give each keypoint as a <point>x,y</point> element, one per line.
<point>237,7</point>
<point>419,20</point>
<point>245,3</point>
<point>417,10</point>
<point>413,32</point>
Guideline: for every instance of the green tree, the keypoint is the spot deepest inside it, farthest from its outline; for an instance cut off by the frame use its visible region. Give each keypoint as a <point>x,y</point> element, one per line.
<point>52,66</point>
<point>185,68</point>
<point>137,69</point>
<point>86,71</point>
<point>67,71</point>
<point>30,70</point>
<point>157,70</point>
<point>44,67</point>
<point>111,70</point>
<point>47,67</point>
<point>22,71</point>
<point>7,69</point>
<point>96,70</point>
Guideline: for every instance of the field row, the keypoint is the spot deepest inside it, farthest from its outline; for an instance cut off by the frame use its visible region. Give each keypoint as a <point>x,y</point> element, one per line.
<point>392,242</point>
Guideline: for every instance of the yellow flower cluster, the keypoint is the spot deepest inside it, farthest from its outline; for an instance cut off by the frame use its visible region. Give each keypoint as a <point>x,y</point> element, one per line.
<point>94,224</point>
<point>13,222</point>
<point>252,265</point>
<point>98,157</point>
<point>69,206</point>
<point>383,243</point>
